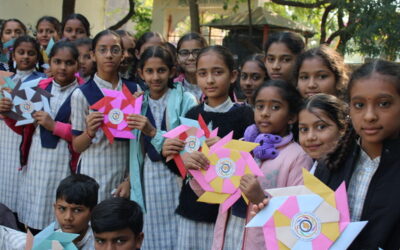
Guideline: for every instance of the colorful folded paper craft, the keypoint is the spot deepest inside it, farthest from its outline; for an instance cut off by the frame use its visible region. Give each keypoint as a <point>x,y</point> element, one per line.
<point>3,76</point>
<point>8,83</point>
<point>194,133</point>
<point>116,106</point>
<point>229,161</point>
<point>310,216</point>
<point>48,239</point>
<point>27,98</point>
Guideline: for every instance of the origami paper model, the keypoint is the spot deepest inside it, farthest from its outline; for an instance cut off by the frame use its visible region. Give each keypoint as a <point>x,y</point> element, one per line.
<point>27,99</point>
<point>311,216</point>
<point>229,161</point>
<point>3,75</point>
<point>116,106</point>
<point>48,239</point>
<point>7,83</point>
<point>49,46</point>
<point>7,47</point>
<point>194,133</point>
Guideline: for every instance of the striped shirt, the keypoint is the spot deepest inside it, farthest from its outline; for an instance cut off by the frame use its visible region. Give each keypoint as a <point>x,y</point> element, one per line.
<point>359,183</point>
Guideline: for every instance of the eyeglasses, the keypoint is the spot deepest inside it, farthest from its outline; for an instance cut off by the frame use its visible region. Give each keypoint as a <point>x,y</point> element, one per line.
<point>115,51</point>
<point>186,53</point>
<point>252,76</point>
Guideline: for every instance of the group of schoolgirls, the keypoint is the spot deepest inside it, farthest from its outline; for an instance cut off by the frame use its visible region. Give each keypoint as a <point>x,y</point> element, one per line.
<point>296,97</point>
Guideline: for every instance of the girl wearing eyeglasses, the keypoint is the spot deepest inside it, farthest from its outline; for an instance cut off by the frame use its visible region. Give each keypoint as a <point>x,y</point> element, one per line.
<point>105,162</point>
<point>189,47</point>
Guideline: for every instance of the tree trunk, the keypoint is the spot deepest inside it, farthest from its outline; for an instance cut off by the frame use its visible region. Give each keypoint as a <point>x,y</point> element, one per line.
<point>250,19</point>
<point>68,8</point>
<point>194,16</point>
<point>127,17</point>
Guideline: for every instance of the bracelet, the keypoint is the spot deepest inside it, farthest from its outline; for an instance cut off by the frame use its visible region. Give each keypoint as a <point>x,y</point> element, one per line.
<point>87,133</point>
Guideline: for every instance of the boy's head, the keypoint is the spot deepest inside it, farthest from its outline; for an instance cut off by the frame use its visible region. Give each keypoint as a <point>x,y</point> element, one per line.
<point>117,223</point>
<point>75,199</point>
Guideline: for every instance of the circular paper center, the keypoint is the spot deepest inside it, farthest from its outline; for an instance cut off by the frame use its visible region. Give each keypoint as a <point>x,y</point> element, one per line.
<point>225,167</point>
<point>27,107</point>
<point>192,143</point>
<point>306,226</point>
<point>116,116</point>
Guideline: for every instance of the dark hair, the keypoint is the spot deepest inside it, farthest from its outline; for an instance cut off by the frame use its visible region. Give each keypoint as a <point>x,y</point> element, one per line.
<point>36,45</point>
<point>333,60</point>
<point>258,59</point>
<point>159,52</point>
<point>192,36</point>
<point>78,189</point>
<point>54,21</point>
<point>123,33</point>
<point>62,45</point>
<point>79,17</point>
<point>117,214</point>
<point>228,59</point>
<point>338,157</point>
<point>293,41</point>
<point>83,42</point>
<point>3,26</point>
<point>331,106</point>
<point>146,37</point>
<point>106,33</point>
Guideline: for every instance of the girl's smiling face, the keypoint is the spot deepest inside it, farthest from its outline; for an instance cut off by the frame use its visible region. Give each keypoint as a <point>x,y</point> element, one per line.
<point>63,67</point>
<point>46,31</point>
<point>251,77</point>
<point>74,30</point>
<point>11,31</point>
<point>271,112</point>
<point>318,134</point>
<point>187,55</point>
<point>280,61</point>
<point>108,54</point>
<point>25,56</point>
<point>156,74</point>
<point>315,77</point>
<point>214,78</point>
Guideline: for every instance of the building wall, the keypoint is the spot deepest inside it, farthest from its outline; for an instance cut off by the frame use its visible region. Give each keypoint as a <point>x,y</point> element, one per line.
<point>29,11</point>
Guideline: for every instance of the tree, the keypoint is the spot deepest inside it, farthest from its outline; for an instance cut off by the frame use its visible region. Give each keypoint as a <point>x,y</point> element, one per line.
<point>194,16</point>
<point>68,8</point>
<point>126,18</point>
<point>372,26</point>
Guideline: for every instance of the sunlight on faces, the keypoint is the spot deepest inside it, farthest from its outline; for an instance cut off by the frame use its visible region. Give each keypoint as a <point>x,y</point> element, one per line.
<point>271,112</point>
<point>85,60</point>
<point>188,63</point>
<point>214,78</point>
<point>72,218</point>
<point>25,56</point>
<point>11,31</point>
<point>375,109</point>
<point>251,77</point>
<point>63,67</point>
<point>123,239</point>
<point>280,62</point>
<point>46,31</point>
<point>315,77</point>
<point>156,74</point>
<point>318,134</point>
<point>105,55</point>
<point>74,30</point>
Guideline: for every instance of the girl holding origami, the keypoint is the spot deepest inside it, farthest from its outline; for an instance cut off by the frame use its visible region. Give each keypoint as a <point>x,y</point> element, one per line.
<point>46,149</point>
<point>164,103</point>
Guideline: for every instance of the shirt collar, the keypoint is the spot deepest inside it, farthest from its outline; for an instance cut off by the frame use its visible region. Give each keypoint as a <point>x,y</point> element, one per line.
<point>62,88</point>
<point>105,84</point>
<point>222,108</point>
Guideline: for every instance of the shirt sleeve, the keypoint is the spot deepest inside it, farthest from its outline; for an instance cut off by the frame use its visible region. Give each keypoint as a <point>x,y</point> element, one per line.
<point>79,111</point>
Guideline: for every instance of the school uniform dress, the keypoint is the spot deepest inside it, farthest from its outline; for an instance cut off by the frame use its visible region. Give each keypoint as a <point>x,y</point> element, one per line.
<point>197,219</point>
<point>160,185</point>
<point>373,193</point>
<point>47,165</point>
<point>283,171</point>
<point>105,162</point>
<point>9,152</point>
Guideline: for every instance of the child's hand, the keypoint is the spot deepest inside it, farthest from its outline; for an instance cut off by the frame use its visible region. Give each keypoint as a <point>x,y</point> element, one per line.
<point>123,190</point>
<point>93,123</point>
<point>196,160</point>
<point>172,147</point>
<point>258,207</point>
<point>142,123</point>
<point>5,105</point>
<point>43,118</point>
<point>212,141</point>
<point>6,89</point>
<point>138,93</point>
<point>251,188</point>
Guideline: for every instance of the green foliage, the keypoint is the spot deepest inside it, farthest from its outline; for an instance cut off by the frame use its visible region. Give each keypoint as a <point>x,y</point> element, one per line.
<point>142,17</point>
